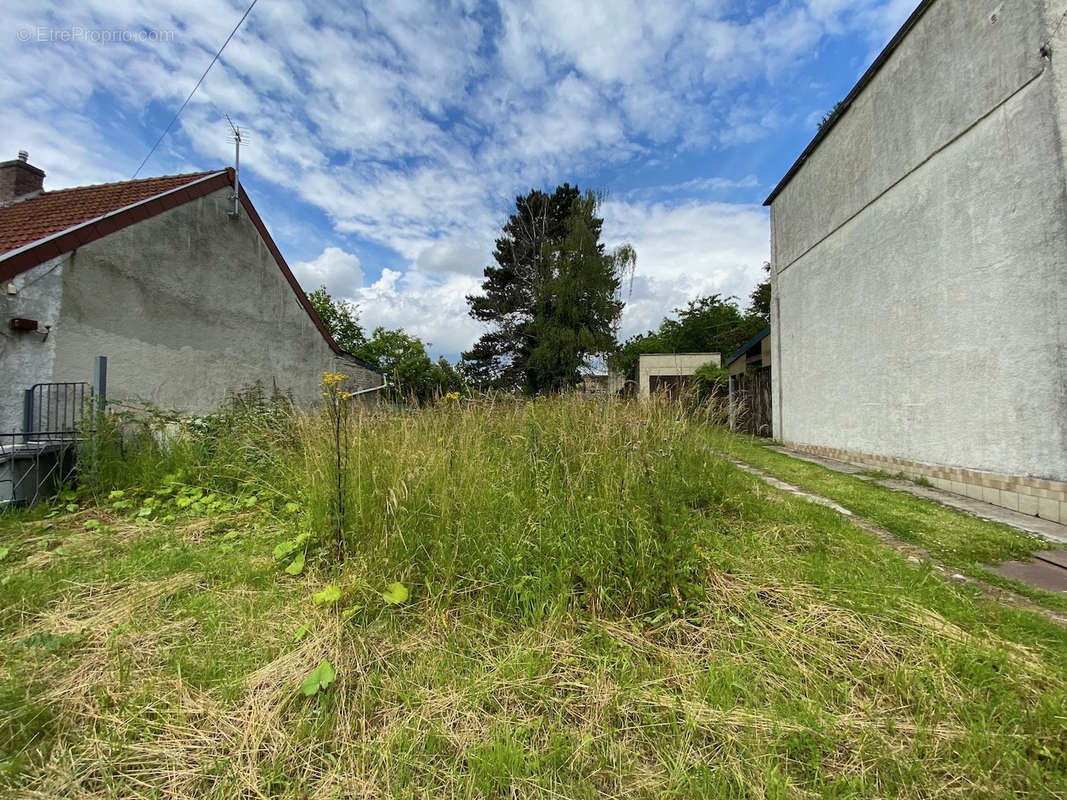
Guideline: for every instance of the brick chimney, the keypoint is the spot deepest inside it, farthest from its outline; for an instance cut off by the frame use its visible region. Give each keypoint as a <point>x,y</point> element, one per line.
<point>19,179</point>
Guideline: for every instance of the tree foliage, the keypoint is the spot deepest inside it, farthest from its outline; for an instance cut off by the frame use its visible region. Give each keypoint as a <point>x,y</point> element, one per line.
<point>552,299</point>
<point>402,358</point>
<point>759,302</point>
<point>709,324</point>
<point>408,368</point>
<point>341,319</point>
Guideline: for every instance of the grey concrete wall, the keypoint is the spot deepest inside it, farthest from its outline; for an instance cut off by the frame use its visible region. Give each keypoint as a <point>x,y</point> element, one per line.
<point>919,258</point>
<point>27,357</point>
<point>650,364</point>
<point>358,378</point>
<point>188,306</point>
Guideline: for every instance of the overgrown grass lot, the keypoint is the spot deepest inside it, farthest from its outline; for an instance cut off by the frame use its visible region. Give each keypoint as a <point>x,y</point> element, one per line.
<point>557,598</point>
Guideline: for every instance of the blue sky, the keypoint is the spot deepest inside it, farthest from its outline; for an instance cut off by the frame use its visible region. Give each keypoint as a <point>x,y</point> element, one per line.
<point>387,141</point>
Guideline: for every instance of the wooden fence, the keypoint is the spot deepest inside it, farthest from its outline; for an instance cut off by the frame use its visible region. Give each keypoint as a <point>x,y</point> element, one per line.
<point>750,402</point>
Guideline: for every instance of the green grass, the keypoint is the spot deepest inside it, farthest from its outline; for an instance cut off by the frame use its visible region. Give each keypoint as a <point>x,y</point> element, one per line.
<point>599,606</point>
<point>964,542</point>
<point>943,532</point>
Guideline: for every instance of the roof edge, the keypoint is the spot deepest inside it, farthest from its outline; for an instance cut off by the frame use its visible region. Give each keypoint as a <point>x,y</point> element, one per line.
<point>362,362</point>
<point>279,259</point>
<point>21,259</point>
<point>850,98</point>
<point>17,261</point>
<point>759,337</point>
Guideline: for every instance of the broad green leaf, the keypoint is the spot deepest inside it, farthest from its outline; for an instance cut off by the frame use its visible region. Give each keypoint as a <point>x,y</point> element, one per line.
<point>118,494</point>
<point>289,546</point>
<point>4,552</point>
<point>291,508</point>
<point>301,632</point>
<point>91,524</point>
<point>285,549</point>
<point>144,511</point>
<point>320,678</point>
<point>183,502</point>
<point>395,594</point>
<point>297,565</point>
<point>328,596</point>
<point>52,642</point>
<point>72,507</point>
<point>251,501</point>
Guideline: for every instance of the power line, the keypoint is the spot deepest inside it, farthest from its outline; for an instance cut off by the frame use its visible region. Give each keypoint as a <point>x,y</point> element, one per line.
<point>190,97</point>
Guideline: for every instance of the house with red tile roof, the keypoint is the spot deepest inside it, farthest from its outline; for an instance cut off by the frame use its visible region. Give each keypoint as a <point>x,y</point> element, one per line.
<point>179,286</point>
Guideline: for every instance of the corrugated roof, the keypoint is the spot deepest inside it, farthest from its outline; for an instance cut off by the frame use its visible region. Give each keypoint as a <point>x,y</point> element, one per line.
<point>49,213</point>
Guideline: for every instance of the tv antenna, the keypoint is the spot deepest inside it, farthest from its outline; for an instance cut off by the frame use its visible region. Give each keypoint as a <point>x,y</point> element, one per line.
<point>237,137</point>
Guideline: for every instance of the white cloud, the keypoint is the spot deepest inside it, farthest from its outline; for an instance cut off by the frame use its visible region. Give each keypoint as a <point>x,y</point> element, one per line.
<point>686,250</point>
<point>453,256</point>
<point>413,124</point>
<point>335,269</point>
<point>432,307</point>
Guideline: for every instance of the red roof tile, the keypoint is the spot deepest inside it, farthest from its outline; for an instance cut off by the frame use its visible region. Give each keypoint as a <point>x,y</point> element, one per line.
<point>28,221</point>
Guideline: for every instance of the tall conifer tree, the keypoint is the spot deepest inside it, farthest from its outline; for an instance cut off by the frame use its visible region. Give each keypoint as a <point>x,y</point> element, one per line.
<point>552,299</point>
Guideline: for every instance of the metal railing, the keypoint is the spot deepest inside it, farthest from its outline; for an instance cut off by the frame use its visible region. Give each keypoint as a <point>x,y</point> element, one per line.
<point>37,462</point>
<point>53,411</point>
<point>35,470</point>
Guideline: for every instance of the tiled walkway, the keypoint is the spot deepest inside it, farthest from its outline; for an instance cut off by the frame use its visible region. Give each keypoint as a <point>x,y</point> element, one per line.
<point>1047,571</point>
<point>1047,529</point>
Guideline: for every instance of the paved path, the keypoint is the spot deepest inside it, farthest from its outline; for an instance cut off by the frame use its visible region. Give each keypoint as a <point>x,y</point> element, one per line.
<point>916,554</point>
<point>1047,529</point>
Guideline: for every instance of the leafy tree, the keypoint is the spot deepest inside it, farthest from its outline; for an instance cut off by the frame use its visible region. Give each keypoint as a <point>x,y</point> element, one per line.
<point>403,360</point>
<point>759,302</point>
<point>552,298</point>
<point>341,319</point>
<point>400,356</point>
<point>448,377</point>
<point>708,324</point>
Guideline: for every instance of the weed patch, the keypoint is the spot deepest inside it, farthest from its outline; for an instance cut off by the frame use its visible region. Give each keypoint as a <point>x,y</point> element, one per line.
<point>559,598</point>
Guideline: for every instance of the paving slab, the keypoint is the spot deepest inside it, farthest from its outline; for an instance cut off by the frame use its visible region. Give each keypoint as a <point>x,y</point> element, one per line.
<point>1042,574</point>
<point>1047,529</point>
<point>1057,557</point>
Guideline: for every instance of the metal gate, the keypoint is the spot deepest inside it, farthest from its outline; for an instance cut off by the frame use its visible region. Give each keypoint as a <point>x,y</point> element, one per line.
<point>54,410</point>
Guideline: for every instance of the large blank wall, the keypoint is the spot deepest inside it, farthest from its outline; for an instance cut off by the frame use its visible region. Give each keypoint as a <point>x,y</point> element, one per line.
<point>920,257</point>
